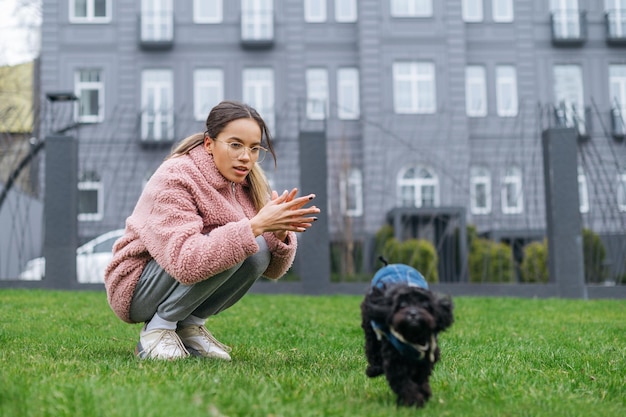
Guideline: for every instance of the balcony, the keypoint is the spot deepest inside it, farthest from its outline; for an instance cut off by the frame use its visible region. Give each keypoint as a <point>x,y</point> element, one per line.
<point>618,126</point>
<point>157,128</point>
<point>569,27</point>
<point>568,115</point>
<point>257,29</point>
<point>156,30</point>
<point>616,27</point>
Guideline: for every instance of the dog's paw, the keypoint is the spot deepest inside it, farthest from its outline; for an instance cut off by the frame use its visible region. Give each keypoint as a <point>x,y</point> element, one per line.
<point>374,371</point>
<point>411,400</point>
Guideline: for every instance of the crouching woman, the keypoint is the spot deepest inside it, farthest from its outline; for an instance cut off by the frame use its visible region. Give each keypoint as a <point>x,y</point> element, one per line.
<point>204,229</point>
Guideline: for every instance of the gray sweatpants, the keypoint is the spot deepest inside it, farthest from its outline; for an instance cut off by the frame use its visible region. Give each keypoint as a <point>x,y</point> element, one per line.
<point>158,292</point>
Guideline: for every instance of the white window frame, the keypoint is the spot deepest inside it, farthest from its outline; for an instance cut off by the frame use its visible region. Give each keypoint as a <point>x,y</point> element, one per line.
<point>475,91</point>
<point>346,11</point>
<point>214,11</point>
<point>317,93</point>
<point>512,187</point>
<point>621,191</point>
<point>583,191</point>
<point>258,92</point>
<point>415,184</point>
<point>502,11</point>
<point>617,87</point>
<point>417,79</point>
<point>257,20</point>
<point>157,84</point>
<point>96,186</point>
<point>157,22</point>
<point>567,22</point>
<point>506,91</point>
<point>618,7</point>
<point>480,179</point>
<point>208,91</point>
<point>348,94</point>
<point>82,86</point>
<point>351,189</point>
<point>411,8</point>
<point>315,11</point>
<point>90,14</point>
<point>472,11</point>
<point>568,92</point>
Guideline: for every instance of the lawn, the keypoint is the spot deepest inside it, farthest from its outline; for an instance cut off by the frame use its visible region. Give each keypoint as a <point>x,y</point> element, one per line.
<point>66,354</point>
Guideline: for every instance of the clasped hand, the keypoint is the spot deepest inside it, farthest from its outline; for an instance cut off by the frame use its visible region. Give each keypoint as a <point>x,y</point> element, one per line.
<point>285,213</point>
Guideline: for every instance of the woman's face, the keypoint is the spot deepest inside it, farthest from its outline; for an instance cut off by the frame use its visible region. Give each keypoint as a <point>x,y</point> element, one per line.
<point>235,164</point>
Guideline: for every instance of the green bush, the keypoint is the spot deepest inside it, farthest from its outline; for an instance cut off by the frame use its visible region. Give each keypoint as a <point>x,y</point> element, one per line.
<point>490,261</point>
<point>534,267</point>
<point>425,259</point>
<point>594,255</point>
<point>382,236</point>
<point>418,253</point>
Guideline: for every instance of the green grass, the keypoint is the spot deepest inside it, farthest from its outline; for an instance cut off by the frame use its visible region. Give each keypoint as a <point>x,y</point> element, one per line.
<point>66,354</point>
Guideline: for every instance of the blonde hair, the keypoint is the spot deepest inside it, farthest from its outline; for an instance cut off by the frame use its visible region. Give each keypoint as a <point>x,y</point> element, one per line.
<point>222,114</point>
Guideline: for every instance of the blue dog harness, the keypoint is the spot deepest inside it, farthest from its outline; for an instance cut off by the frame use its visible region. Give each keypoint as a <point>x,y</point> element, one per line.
<point>402,274</point>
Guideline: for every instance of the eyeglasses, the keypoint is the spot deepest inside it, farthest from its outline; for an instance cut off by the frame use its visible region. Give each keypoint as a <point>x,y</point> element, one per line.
<point>236,149</point>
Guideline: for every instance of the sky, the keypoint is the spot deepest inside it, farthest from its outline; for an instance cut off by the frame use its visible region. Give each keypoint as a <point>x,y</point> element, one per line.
<point>19,31</point>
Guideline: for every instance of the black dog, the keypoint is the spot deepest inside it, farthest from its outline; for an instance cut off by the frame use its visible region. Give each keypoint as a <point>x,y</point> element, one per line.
<point>401,319</point>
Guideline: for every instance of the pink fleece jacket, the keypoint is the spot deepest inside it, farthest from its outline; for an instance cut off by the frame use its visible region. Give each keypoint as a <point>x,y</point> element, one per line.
<point>195,224</point>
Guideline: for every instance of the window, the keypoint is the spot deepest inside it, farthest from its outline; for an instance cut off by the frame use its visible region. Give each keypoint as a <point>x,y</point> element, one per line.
<point>418,187</point>
<point>473,10</point>
<point>475,91</point>
<point>583,192</point>
<point>348,96</point>
<point>512,195</point>
<point>351,188</point>
<point>314,11</point>
<point>345,11</point>
<point>207,11</point>
<point>506,91</point>
<point>90,201</point>
<point>411,8</point>
<point>566,18</point>
<point>414,87</point>
<point>568,96</point>
<point>621,191</point>
<point>89,88</point>
<point>90,11</point>
<point>617,88</point>
<point>616,15</point>
<point>502,10</point>
<point>208,91</point>
<point>257,20</point>
<point>258,91</point>
<point>316,93</point>
<point>157,97</point>
<point>157,20</point>
<point>480,190</point>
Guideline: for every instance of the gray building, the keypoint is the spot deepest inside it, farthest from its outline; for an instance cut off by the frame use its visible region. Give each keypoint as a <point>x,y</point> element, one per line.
<point>432,111</point>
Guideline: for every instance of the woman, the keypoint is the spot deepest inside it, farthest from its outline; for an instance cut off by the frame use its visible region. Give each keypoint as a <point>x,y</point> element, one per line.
<point>205,228</point>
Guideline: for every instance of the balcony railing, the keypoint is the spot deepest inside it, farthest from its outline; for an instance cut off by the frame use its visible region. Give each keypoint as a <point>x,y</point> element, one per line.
<point>569,27</point>
<point>616,27</point>
<point>618,125</point>
<point>157,128</point>
<point>257,28</point>
<point>156,30</point>
<point>570,116</point>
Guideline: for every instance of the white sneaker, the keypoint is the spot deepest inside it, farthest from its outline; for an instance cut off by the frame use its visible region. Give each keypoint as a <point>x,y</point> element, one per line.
<point>200,342</point>
<point>160,344</point>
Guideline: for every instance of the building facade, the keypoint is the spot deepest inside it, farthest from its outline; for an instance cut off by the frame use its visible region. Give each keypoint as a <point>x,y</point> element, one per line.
<point>437,106</point>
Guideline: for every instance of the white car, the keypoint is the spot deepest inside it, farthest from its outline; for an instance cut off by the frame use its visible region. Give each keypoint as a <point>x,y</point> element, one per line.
<point>91,260</point>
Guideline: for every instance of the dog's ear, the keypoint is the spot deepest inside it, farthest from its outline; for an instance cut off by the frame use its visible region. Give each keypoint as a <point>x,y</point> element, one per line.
<point>377,304</point>
<point>444,311</point>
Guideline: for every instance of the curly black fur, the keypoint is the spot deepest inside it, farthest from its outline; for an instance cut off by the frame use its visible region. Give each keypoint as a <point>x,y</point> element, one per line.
<point>416,314</point>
